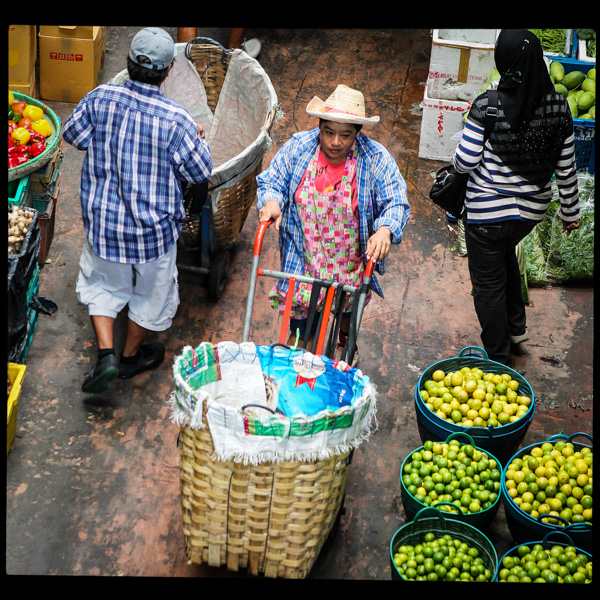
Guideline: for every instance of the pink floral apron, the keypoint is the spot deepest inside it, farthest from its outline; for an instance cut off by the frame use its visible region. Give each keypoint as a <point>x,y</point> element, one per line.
<point>332,249</point>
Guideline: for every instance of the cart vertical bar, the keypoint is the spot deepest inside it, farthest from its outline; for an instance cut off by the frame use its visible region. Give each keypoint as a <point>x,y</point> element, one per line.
<point>258,240</point>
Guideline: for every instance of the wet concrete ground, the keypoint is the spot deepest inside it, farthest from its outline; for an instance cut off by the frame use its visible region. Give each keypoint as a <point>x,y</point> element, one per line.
<point>93,482</point>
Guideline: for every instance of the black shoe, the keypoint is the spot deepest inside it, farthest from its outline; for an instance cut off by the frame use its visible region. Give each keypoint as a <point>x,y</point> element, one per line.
<point>149,356</point>
<point>104,371</point>
<point>518,350</point>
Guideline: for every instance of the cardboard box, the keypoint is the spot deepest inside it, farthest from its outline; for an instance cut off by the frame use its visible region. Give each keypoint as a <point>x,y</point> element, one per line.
<point>70,65</point>
<point>442,121</point>
<point>22,54</point>
<point>29,89</point>
<point>85,32</point>
<point>460,62</point>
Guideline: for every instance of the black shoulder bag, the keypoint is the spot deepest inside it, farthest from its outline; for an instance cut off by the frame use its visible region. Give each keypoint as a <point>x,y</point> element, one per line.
<point>450,186</point>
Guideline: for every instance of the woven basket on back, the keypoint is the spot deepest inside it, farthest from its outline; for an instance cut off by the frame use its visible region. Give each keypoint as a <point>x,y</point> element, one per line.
<point>235,198</point>
<point>270,519</point>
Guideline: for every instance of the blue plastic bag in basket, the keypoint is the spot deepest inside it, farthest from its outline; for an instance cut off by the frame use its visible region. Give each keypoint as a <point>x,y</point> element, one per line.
<point>305,383</point>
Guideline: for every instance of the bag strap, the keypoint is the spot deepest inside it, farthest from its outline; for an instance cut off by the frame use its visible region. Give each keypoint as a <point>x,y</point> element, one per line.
<point>491,112</point>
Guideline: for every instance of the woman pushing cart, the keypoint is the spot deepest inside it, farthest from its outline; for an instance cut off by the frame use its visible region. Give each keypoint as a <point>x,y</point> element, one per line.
<point>339,202</point>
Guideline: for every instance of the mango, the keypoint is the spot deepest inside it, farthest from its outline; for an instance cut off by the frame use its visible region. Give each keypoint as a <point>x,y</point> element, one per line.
<point>588,85</point>
<point>592,112</point>
<point>557,71</point>
<point>573,106</point>
<point>573,79</point>
<point>586,116</point>
<point>561,89</point>
<point>592,74</point>
<point>585,101</point>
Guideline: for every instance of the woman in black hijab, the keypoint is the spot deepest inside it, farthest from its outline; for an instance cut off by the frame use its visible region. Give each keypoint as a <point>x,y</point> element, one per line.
<point>509,188</point>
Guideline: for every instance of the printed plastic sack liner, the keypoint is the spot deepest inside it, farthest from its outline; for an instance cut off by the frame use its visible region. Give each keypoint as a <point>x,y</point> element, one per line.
<point>271,403</point>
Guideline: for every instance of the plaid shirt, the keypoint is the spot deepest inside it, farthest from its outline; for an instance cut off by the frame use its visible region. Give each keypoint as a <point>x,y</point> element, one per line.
<point>139,145</point>
<point>382,198</point>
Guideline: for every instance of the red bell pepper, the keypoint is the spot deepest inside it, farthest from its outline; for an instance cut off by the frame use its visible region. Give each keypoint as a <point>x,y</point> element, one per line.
<point>34,136</point>
<point>19,106</point>
<point>24,122</point>
<point>37,148</point>
<point>17,156</point>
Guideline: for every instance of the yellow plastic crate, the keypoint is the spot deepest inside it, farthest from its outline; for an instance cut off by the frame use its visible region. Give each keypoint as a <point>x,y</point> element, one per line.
<point>16,373</point>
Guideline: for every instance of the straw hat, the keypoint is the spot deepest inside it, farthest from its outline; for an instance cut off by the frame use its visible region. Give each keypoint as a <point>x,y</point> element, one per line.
<point>345,105</point>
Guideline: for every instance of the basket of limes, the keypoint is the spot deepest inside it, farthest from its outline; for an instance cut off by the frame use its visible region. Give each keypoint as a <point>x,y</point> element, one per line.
<point>548,487</point>
<point>453,476</point>
<point>470,393</point>
<point>546,561</point>
<point>435,546</point>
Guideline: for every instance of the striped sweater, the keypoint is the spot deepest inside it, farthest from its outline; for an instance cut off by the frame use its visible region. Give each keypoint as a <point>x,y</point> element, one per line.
<point>496,193</point>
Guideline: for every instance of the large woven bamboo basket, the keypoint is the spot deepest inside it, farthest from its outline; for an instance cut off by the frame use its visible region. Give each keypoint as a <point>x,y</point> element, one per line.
<point>237,194</point>
<point>270,519</point>
<point>232,185</point>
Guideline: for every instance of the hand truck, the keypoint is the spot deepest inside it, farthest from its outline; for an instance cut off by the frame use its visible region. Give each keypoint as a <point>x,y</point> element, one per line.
<point>334,304</point>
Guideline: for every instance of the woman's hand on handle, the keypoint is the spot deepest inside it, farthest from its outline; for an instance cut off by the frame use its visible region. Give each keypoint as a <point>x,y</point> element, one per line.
<point>271,211</point>
<point>379,244</point>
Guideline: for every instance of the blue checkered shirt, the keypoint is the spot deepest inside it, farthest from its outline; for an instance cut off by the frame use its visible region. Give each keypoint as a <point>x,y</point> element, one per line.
<point>381,190</point>
<point>140,145</point>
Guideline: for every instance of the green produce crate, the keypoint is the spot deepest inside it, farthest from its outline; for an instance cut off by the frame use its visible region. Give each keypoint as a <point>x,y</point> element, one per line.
<point>46,206</point>
<point>32,314</point>
<point>18,191</point>
<point>45,180</point>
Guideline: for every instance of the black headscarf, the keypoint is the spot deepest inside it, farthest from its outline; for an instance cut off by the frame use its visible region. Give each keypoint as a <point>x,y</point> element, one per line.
<point>524,78</point>
<point>533,118</point>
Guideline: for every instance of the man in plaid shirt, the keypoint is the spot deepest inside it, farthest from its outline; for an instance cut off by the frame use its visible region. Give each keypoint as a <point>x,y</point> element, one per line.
<point>358,192</point>
<point>139,146</point>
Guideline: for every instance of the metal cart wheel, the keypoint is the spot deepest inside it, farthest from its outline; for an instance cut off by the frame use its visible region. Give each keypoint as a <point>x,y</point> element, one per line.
<point>217,276</point>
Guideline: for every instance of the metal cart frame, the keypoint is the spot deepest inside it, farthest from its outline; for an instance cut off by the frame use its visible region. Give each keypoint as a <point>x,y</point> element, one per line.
<point>334,303</point>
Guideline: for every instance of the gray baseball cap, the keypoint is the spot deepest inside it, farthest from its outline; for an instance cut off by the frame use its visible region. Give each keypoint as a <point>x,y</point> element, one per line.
<point>152,48</point>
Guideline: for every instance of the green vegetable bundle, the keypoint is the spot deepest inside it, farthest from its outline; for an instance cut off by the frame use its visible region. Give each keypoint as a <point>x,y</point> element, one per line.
<point>552,40</point>
<point>551,255</point>
<point>589,36</point>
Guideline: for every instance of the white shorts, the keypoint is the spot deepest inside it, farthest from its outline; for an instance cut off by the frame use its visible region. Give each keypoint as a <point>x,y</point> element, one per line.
<point>150,289</point>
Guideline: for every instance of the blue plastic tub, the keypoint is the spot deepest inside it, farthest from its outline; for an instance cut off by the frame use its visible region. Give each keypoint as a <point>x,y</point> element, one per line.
<point>523,527</point>
<point>502,441</point>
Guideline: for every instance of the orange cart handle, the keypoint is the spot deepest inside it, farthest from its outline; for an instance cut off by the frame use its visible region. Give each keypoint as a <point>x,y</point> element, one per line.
<point>260,235</point>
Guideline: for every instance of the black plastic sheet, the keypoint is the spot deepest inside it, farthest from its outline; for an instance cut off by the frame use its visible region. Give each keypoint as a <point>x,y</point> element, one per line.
<point>21,269</point>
